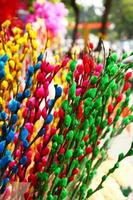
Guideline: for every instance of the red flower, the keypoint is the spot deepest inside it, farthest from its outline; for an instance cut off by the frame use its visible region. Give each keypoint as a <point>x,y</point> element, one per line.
<point>8,9</point>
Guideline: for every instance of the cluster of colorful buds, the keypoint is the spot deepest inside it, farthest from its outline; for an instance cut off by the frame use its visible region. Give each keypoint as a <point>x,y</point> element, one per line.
<point>56,139</point>
<point>90,115</point>
<point>25,105</point>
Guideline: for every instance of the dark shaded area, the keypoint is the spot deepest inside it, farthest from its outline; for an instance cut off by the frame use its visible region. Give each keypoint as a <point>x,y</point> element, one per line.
<point>104,21</point>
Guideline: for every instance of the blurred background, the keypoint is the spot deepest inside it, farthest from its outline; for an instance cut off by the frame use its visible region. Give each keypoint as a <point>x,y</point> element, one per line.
<point>76,21</point>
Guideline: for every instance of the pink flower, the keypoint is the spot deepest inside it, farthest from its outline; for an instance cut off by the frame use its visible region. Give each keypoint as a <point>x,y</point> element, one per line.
<point>53,15</point>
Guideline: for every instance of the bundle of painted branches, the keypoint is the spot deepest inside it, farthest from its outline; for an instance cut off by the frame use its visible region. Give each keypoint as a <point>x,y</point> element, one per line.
<point>57,119</point>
